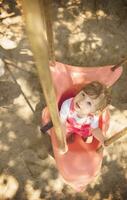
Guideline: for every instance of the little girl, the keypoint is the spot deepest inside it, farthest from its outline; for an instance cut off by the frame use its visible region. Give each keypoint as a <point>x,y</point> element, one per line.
<point>80,114</point>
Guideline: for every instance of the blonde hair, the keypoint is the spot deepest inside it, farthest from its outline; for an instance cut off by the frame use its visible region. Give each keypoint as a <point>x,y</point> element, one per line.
<point>94,90</point>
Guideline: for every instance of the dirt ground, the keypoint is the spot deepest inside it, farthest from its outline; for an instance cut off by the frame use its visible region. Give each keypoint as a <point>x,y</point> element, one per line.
<point>86,33</point>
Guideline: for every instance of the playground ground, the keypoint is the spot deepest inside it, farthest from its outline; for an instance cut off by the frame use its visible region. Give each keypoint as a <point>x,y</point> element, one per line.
<point>86,33</point>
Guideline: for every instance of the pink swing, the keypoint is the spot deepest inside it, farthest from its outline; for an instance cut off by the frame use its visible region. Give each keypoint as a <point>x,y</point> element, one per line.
<point>81,163</point>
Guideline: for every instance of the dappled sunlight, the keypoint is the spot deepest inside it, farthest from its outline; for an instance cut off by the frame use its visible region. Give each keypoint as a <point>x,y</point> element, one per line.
<point>60,13</point>
<point>8,186</point>
<point>75,24</point>
<point>118,120</point>
<point>88,14</point>
<point>4,147</point>
<point>46,174</point>
<point>32,193</point>
<point>101,14</point>
<point>55,185</point>
<point>25,87</point>
<point>26,51</point>
<point>77,37</point>
<point>125,113</point>
<point>13,35</point>
<point>11,136</point>
<point>11,163</point>
<point>22,108</point>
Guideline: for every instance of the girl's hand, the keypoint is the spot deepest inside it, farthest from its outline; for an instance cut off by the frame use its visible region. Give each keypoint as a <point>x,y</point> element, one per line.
<point>97,133</point>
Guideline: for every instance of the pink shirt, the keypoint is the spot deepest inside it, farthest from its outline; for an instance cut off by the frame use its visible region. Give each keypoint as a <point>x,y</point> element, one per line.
<point>75,124</point>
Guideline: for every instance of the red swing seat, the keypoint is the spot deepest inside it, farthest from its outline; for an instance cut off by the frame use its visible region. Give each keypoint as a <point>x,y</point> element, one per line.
<point>81,163</point>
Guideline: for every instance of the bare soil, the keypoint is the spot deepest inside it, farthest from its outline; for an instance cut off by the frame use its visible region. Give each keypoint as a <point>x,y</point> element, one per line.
<point>86,33</point>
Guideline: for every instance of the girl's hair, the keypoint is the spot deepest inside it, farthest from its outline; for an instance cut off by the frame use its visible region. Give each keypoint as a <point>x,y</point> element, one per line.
<point>94,90</point>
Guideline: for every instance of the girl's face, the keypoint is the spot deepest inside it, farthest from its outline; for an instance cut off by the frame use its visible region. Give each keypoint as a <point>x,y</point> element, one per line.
<point>84,104</point>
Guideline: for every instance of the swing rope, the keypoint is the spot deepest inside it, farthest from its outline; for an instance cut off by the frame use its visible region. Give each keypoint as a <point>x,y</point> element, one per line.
<point>36,28</point>
<point>113,138</point>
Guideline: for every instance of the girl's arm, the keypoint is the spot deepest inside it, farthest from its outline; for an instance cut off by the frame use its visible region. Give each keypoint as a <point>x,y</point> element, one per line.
<point>96,131</point>
<point>64,111</point>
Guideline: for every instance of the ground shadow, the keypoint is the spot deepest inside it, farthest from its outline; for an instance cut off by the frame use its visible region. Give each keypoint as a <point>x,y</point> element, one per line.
<point>7,97</point>
<point>111,186</point>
